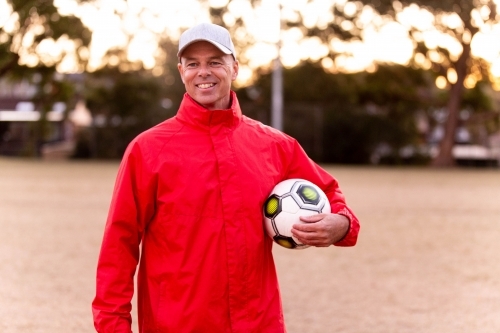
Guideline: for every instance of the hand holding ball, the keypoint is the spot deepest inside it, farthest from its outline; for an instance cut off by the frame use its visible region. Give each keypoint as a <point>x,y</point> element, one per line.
<point>289,200</point>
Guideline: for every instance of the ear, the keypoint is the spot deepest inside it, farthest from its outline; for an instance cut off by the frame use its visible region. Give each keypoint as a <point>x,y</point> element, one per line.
<point>181,72</point>
<point>236,67</point>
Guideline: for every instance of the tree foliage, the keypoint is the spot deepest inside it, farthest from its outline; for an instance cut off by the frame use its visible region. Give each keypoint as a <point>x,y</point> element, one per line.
<point>27,41</point>
<point>473,15</point>
<point>345,118</point>
<point>123,105</point>
<point>347,22</point>
<point>31,23</point>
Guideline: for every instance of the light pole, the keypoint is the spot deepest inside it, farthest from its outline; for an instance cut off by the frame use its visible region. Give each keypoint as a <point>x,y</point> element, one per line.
<point>277,84</point>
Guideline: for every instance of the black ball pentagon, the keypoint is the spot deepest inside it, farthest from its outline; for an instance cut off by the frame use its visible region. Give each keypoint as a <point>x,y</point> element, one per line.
<point>272,206</point>
<point>308,194</point>
<point>284,241</point>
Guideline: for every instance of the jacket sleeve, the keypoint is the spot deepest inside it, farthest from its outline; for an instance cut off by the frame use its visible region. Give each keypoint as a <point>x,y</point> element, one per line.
<point>132,205</point>
<point>301,166</point>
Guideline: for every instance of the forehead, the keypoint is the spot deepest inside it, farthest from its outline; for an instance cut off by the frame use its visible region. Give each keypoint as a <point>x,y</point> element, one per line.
<point>202,49</point>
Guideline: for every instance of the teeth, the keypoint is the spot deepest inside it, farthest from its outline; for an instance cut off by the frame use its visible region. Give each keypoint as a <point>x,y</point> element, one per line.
<point>205,85</point>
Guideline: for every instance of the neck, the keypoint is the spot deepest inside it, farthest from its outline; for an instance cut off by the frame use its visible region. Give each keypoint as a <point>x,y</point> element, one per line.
<point>222,104</point>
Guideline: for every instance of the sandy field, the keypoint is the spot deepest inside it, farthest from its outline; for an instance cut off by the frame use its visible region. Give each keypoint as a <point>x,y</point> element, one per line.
<point>427,259</point>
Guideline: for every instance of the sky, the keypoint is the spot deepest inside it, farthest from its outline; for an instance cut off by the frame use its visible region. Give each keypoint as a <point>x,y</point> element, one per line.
<point>137,24</point>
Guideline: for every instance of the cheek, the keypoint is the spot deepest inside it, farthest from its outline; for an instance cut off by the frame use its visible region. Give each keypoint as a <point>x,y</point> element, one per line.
<point>182,75</point>
<point>231,76</point>
<point>187,78</point>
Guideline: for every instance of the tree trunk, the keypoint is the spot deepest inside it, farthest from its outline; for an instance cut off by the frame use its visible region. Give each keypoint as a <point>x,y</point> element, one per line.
<point>7,67</point>
<point>445,155</point>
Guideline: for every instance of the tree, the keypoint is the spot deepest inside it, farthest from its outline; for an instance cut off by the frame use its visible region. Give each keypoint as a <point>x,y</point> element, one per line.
<point>458,21</point>
<point>29,51</point>
<point>123,105</point>
<point>344,118</point>
<point>126,99</point>
<point>459,69</point>
<point>32,28</point>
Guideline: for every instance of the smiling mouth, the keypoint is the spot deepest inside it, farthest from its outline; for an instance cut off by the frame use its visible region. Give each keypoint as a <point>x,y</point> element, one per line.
<point>206,85</point>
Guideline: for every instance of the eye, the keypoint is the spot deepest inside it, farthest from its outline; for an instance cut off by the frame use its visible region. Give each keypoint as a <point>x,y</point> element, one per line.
<point>215,63</point>
<point>190,65</point>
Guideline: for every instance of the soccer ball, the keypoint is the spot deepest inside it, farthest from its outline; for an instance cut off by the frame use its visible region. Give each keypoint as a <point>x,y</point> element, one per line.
<point>289,200</point>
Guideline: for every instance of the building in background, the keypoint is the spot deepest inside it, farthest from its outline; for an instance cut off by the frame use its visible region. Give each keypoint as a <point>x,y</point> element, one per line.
<point>20,119</point>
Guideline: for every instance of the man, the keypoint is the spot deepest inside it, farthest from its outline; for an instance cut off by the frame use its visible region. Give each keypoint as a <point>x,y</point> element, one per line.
<point>191,190</point>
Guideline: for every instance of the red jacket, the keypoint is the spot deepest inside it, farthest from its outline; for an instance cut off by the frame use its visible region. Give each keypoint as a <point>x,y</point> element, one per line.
<point>191,190</point>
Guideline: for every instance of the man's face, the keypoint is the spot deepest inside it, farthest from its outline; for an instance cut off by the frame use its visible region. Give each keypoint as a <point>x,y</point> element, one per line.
<point>207,74</point>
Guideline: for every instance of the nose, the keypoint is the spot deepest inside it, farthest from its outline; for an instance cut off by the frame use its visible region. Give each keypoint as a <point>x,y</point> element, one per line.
<point>204,70</point>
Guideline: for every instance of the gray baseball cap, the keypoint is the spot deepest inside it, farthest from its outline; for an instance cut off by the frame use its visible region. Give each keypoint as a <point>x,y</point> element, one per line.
<point>208,32</point>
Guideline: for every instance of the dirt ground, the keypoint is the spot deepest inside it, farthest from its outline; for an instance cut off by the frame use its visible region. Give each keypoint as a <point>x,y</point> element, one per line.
<point>427,260</point>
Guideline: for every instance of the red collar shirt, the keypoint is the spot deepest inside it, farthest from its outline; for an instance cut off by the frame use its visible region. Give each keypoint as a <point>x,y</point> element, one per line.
<point>187,207</point>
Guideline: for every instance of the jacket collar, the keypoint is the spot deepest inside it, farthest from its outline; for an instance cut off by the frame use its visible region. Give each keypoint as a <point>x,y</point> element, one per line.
<point>193,113</point>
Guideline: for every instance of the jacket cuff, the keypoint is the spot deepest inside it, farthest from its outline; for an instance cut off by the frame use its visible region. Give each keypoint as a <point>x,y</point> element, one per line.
<point>351,235</point>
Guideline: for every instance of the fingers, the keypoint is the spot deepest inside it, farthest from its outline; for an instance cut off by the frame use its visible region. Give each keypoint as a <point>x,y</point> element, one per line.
<point>310,224</point>
<point>312,218</point>
<point>311,234</point>
<point>321,229</point>
<point>319,239</point>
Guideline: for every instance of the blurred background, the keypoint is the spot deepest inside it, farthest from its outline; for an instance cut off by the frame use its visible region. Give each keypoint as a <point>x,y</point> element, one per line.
<point>356,82</point>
